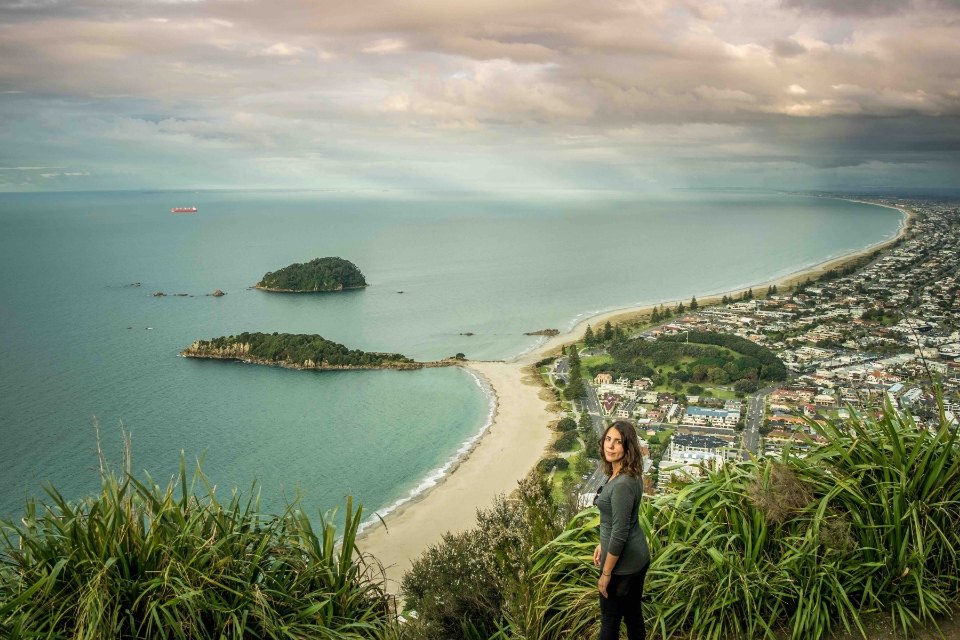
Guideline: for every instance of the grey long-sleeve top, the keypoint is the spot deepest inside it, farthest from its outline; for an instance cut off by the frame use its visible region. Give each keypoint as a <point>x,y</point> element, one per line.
<point>620,532</point>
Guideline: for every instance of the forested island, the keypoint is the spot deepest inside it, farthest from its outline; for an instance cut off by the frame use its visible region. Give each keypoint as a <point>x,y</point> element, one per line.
<point>298,351</point>
<point>320,274</point>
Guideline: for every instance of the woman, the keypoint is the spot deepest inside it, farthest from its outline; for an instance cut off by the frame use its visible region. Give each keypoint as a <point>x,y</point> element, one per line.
<point>622,554</point>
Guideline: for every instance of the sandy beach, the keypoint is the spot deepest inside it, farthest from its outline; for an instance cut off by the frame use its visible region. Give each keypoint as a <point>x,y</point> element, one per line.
<point>519,435</point>
<point>513,444</point>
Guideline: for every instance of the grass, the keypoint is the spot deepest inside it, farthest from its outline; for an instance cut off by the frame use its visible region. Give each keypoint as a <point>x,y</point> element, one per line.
<point>139,560</point>
<point>588,362</point>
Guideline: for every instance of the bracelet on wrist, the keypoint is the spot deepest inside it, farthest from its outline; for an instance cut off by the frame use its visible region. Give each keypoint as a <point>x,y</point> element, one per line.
<point>605,574</point>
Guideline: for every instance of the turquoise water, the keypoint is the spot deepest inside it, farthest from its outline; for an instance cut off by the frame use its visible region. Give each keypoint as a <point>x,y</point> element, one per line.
<point>78,342</point>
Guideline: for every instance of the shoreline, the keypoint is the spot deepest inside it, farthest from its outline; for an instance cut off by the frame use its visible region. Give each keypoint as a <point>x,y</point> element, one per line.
<point>632,313</point>
<point>439,474</point>
<point>503,453</point>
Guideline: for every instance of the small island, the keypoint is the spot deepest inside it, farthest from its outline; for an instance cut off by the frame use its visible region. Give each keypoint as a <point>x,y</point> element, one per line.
<point>299,351</point>
<point>319,275</point>
<point>543,332</point>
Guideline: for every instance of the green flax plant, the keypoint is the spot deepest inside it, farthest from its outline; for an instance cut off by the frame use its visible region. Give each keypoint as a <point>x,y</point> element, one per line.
<point>139,560</point>
<point>900,484</point>
<point>795,547</point>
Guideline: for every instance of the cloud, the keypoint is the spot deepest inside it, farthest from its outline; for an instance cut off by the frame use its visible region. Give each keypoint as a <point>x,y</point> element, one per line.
<point>385,45</point>
<point>282,50</point>
<point>788,48</point>
<point>569,85</point>
<point>870,8</point>
<point>850,7</point>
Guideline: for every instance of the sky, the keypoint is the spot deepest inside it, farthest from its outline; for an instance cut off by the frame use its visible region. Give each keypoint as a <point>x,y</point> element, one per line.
<point>479,95</point>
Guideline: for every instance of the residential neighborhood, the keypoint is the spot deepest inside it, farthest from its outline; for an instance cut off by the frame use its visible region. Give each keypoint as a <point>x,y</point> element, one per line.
<point>883,330</point>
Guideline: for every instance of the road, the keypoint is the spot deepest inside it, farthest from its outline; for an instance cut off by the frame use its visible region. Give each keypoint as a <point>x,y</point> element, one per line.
<point>591,405</point>
<point>755,414</point>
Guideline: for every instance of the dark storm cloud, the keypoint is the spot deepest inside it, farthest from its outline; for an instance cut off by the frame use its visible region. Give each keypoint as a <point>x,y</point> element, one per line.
<point>869,8</point>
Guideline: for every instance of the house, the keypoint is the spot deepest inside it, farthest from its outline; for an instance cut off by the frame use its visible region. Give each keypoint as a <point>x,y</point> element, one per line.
<point>603,378</point>
<point>648,397</point>
<point>608,402</point>
<point>716,417</point>
<point>824,400</point>
<point>687,456</point>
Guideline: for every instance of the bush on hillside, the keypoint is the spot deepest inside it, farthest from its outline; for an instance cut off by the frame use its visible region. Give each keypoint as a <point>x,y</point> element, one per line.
<point>566,441</point>
<point>549,464</point>
<point>474,584</point>
<point>141,561</point>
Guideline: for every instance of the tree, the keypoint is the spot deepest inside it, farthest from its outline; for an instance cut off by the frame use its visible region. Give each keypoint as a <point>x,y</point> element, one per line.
<point>574,357</point>
<point>725,299</point>
<point>588,338</point>
<point>574,390</point>
<point>549,464</point>
<point>750,294</point>
<point>567,424</point>
<point>566,441</point>
<point>693,303</point>
<point>589,436</point>
<point>586,424</point>
<point>607,331</point>
<point>680,308</point>
<point>656,315</point>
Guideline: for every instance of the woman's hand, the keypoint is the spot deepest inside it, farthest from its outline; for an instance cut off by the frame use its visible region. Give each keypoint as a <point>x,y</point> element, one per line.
<point>603,583</point>
<point>596,556</point>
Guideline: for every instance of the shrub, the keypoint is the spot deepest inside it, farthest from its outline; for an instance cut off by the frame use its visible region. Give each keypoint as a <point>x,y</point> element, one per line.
<point>549,464</point>
<point>474,584</point>
<point>141,561</point>
<point>566,441</point>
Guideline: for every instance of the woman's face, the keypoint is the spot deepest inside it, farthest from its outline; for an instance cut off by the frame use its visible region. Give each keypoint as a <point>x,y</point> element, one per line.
<point>613,446</point>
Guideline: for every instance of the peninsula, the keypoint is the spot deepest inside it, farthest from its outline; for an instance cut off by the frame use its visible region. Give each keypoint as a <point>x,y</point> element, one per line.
<point>318,275</point>
<point>298,351</point>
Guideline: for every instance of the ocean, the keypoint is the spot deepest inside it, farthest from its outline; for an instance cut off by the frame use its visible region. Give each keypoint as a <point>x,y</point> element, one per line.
<point>80,342</point>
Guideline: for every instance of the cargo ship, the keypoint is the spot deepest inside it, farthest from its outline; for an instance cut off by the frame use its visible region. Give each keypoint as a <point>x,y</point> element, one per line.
<point>183,210</point>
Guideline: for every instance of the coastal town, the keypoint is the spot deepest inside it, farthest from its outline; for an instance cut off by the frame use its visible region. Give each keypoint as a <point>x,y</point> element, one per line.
<point>881,328</point>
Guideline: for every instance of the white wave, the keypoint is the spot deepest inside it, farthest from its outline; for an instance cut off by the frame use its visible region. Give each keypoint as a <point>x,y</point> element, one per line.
<point>436,476</point>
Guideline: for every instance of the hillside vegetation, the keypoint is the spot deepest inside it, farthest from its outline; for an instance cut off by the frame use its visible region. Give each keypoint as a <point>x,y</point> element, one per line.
<point>141,561</point>
<point>796,547</point>
<point>789,548</point>
<point>320,274</point>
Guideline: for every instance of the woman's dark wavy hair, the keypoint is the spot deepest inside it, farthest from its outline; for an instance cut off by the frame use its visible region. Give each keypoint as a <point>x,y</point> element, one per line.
<point>632,456</point>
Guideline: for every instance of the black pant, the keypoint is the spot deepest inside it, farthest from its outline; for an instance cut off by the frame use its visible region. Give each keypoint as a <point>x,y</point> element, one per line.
<point>625,593</point>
